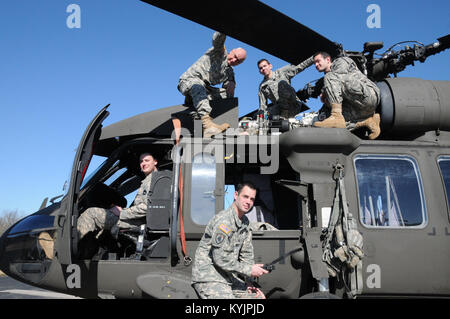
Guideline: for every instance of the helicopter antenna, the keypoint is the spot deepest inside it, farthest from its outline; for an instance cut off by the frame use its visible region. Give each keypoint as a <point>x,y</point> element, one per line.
<point>401,42</point>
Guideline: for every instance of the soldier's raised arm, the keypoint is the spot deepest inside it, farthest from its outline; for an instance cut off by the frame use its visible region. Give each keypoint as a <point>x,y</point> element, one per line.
<point>292,70</point>
<point>218,41</point>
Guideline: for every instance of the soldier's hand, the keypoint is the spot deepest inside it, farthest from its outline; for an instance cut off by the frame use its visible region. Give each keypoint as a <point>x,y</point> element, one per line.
<point>258,271</point>
<point>116,210</point>
<point>230,88</point>
<point>323,98</point>
<point>258,293</point>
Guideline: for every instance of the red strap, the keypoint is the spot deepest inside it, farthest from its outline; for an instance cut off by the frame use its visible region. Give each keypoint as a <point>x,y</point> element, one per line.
<point>87,164</point>
<point>177,128</point>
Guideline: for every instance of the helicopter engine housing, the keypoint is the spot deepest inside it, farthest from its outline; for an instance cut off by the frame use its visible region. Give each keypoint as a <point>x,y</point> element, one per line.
<point>412,105</point>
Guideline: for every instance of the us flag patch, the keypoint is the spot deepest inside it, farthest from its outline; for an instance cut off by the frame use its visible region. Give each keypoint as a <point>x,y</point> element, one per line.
<point>224,228</point>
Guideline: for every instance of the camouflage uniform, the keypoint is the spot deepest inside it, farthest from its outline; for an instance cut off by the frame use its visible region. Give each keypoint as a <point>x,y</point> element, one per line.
<point>224,252</point>
<point>278,89</point>
<point>96,218</point>
<point>348,86</point>
<point>210,69</point>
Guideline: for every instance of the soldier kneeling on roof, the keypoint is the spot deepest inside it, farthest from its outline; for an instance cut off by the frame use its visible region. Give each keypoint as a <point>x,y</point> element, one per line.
<point>349,93</point>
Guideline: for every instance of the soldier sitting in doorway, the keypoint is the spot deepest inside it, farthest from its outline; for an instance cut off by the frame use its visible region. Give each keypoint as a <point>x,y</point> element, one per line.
<point>95,219</point>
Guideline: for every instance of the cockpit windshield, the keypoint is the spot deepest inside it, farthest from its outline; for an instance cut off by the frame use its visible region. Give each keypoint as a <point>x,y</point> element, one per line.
<point>94,168</point>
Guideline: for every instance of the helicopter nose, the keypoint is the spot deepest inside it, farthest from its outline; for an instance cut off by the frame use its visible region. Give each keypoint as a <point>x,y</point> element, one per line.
<point>23,246</point>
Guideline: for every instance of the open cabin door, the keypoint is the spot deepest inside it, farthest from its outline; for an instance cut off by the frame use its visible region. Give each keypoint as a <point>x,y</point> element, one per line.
<point>67,246</point>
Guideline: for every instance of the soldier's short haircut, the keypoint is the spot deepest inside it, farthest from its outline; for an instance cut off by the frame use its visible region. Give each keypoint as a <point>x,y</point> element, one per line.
<point>249,184</point>
<point>323,54</point>
<point>152,154</point>
<point>262,60</point>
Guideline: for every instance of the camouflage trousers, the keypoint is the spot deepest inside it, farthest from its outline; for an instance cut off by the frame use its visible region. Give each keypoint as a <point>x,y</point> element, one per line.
<point>287,103</point>
<point>201,94</point>
<point>95,219</point>
<point>359,99</point>
<point>286,110</point>
<point>219,290</point>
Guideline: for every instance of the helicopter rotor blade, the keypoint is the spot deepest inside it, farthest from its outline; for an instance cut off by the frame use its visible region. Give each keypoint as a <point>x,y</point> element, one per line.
<point>255,24</point>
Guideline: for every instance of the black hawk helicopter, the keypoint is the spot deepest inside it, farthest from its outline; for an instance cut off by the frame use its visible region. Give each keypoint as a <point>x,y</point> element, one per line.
<point>355,218</point>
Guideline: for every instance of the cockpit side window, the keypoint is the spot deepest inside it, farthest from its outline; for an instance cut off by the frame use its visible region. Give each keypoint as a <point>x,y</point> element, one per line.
<point>390,192</point>
<point>444,165</point>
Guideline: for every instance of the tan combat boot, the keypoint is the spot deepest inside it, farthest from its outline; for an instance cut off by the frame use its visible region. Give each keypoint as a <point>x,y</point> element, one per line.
<point>210,128</point>
<point>335,119</point>
<point>373,124</point>
<point>222,127</point>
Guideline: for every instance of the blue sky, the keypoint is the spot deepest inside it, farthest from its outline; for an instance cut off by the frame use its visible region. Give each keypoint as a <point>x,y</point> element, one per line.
<point>54,79</point>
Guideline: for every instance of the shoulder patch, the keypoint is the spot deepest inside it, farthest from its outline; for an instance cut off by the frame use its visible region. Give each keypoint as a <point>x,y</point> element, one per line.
<point>218,240</point>
<point>224,228</point>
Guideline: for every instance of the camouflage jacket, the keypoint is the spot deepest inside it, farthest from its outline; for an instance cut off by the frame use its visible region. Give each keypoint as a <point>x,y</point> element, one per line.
<point>225,250</point>
<point>345,66</point>
<point>278,88</point>
<point>211,68</point>
<point>139,208</point>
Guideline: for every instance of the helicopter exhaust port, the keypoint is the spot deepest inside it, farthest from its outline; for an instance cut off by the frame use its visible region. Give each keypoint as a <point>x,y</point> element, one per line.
<point>414,106</point>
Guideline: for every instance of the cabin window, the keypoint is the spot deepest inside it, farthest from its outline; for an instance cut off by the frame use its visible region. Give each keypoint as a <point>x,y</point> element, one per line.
<point>203,202</point>
<point>390,191</point>
<point>444,165</point>
<point>229,195</point>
